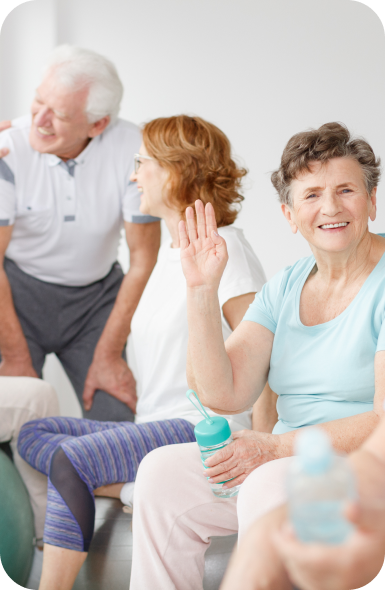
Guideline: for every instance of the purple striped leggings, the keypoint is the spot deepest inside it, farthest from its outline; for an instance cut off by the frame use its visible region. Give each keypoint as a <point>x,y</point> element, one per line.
<point>81,455</point>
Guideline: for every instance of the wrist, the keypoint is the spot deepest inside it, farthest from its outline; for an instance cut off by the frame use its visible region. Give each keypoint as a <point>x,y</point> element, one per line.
<point>16,358</point>
<point>280,446</point>
<point>104,355</point>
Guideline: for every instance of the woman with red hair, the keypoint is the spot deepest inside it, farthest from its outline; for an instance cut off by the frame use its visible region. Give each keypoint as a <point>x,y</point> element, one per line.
<point>181,159</point>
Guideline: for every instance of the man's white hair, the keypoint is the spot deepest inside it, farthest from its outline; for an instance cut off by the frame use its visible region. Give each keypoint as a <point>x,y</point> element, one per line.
<point>76,68</point>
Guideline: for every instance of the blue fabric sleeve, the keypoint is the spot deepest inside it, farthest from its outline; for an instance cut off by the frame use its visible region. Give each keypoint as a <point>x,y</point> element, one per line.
<point>381,338</point>
<point>266,306</point>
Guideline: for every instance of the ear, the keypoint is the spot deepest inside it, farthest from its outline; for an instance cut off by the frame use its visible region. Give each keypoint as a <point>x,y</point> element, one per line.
<point>288,213</point>
<point>98,127</point>
<point>373,205</point>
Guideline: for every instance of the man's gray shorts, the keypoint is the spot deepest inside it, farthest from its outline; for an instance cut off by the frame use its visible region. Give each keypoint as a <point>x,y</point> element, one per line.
<point>68,321</point>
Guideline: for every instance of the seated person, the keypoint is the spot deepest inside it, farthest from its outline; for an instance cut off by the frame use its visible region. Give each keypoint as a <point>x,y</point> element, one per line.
<point>23,399</point>
<point>181,158</point>
<point>315,331</point>
<point>271,558</point>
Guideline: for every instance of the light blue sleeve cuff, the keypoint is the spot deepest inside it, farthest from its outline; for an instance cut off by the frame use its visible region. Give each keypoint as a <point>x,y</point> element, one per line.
<point>256,316</point>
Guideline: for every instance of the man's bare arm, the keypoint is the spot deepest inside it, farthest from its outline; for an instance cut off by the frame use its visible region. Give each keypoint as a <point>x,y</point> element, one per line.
<point>108,370</point>
<point>15,356</point>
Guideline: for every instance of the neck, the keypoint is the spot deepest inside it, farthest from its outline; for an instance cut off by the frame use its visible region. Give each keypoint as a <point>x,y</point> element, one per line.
<point>76,152</point>
<point>345,265</point>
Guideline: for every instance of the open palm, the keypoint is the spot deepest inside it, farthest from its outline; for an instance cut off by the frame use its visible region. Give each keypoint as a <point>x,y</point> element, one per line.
<point>203,251</point>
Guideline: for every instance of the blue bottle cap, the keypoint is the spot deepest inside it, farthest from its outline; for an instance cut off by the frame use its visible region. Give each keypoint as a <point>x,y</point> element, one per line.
<point>208,435</point>
<point>314,450</point>
<point>213,430</point>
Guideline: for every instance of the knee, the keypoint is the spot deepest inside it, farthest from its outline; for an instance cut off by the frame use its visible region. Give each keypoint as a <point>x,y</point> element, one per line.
<point>47,403</point>
<point>152,473</point>
<point>37,397</point>
<point>61,470</point>
<point>162,470</point>
<point>25,438</point>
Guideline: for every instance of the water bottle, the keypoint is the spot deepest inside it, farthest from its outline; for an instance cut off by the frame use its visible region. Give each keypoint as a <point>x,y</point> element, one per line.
<point>319,485</point>
<point>212,434</point>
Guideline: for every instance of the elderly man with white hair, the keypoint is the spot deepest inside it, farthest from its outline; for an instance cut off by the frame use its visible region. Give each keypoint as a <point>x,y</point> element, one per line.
<point>65,195</point>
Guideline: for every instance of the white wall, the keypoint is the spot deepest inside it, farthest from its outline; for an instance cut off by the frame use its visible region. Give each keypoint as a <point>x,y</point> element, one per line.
<point>261,70</point>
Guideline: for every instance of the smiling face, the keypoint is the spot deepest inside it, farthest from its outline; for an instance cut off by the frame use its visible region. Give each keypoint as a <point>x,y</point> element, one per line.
<point>59,122</point>
<point>152,183</point>
<point>330,206</point>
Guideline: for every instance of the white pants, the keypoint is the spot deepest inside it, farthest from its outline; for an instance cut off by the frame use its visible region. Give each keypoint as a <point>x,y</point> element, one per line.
<point>175,514</point>
<point>23,399</point>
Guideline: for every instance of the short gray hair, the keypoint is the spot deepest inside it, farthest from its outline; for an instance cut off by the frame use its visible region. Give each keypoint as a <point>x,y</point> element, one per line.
<point>332,140</point>
<point>76,68</point>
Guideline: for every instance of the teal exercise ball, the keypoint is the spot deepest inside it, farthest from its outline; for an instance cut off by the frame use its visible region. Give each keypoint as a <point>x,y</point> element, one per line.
<point>16,523</point>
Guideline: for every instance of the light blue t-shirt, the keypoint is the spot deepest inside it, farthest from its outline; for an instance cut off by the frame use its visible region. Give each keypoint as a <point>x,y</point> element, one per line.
<point>322,372</point>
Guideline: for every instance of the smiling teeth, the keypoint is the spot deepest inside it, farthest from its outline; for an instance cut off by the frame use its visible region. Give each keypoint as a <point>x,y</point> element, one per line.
<point>331,225</point>
<point>44,131</point>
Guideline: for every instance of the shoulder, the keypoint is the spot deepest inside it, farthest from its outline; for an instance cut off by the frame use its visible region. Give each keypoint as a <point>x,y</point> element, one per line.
<point>243,272</point>
<point>122,131</point>
<point>267,305</point>
<point>242,258</point>
<point>287,278</point>
<point>18,134</point>
<point>16,139</point>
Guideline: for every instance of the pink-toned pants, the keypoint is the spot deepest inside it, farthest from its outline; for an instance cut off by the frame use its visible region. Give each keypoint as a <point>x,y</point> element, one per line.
<point>175,514</point>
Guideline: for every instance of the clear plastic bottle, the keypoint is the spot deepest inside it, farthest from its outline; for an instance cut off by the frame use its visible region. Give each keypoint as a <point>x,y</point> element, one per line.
<point>319,485</point>
<point>212,434</point>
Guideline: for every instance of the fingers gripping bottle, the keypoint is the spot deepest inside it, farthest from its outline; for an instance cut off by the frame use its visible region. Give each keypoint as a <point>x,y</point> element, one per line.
<point>212,434</point>
<point>319,485</point>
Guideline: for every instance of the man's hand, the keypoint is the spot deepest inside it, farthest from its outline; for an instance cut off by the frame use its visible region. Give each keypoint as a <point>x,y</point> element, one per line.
<point>249,450</point>
<point>111,374</point>
<point>17,368</point>
<point>4,125</point>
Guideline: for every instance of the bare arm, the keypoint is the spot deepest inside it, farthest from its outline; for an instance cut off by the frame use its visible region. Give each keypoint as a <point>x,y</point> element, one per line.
<point>265,415</point>
<point>251,449</point>
<point>16,359</point>
<point>108,370</point>
<point>228,379</point>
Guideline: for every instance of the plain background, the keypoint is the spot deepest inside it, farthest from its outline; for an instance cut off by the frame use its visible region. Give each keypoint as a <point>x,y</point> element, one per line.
<point>261,70</point>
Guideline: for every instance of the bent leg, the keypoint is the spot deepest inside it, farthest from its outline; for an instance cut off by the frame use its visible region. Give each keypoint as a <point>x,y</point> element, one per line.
<point>23,399</point>
<point>39,439</point>
<point>175,515</point>
<point>93,307</point>
<point>82,455</point>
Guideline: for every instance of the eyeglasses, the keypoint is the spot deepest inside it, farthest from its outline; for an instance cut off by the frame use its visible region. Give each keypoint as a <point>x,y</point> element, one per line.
<point>137,161</point>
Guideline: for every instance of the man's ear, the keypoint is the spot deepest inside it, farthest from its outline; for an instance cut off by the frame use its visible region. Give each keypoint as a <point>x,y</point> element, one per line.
<point>288,213</point>
<point>373,208</point>
<point>99,126</point>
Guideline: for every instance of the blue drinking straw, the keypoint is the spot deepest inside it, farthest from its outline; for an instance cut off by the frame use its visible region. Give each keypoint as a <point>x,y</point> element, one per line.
<point>200,408</point>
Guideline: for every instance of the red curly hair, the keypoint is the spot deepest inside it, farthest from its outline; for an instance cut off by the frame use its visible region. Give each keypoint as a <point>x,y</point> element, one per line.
<point>197,156</point>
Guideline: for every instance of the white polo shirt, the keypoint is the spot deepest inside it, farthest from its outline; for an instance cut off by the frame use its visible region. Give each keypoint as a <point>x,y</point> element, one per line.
<point>68,216</point>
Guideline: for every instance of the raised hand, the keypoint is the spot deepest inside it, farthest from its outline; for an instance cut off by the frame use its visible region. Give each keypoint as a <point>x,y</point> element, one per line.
<point>203,251</point>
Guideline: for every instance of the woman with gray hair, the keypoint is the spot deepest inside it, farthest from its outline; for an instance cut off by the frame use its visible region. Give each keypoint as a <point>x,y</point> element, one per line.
<point>315,331</point>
